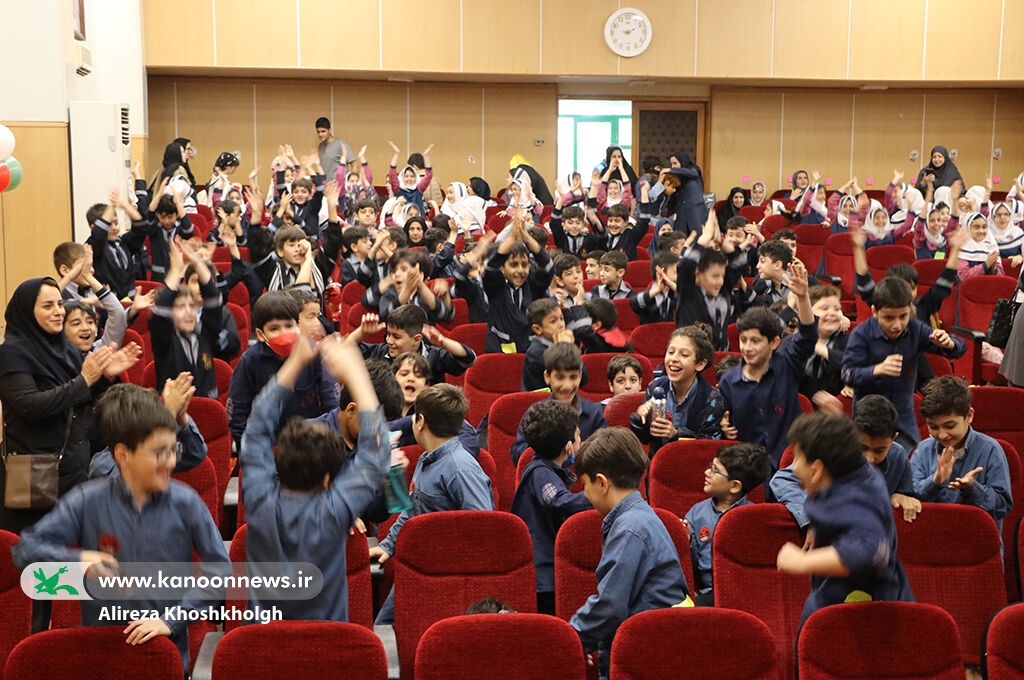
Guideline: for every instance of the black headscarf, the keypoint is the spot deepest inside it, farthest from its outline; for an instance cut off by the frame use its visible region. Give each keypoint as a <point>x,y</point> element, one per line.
<point>27,348</point>
<point>684,159</point>
<point>728,209</point>
<point>537,183</point>
<point>183,143</point>
<point>617,174</point>
<point>480,187</point>
<point>945,175</point>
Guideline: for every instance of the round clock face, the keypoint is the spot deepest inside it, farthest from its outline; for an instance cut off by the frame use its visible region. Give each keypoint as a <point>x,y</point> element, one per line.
<point>627,32</point>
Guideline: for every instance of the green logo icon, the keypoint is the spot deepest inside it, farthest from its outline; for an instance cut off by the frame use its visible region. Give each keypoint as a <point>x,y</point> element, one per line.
<point>49,585</point>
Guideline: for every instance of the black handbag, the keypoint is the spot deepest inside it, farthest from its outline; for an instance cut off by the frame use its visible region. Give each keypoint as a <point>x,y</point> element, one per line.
<point>32,480</point>
<point>1002,323</point>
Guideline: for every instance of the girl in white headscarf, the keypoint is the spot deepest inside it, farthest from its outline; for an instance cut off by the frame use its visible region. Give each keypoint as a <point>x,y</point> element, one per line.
<point>1008,235</point>
<point>980,254</point>
<point>468,211</point>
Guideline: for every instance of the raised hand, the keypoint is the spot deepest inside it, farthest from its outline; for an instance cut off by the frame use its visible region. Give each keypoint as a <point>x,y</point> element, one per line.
<point>797,276</point>
<point>426,152</point>
<point>897,176</point>
<point>394,147</point>
<point>433,336</point>
<point>944,466</point>
<point>177,395</point>
<point>94,364</point>
<point>332,192</point>
<point>142,300</point>
<point>122,360</point>
<point>362,153</point>
<point>967,480</point>
<point>371,324</point>
<point>942,339</point>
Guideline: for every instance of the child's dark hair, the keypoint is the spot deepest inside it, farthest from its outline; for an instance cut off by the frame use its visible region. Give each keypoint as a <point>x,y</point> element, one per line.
<point>563,262</point>
<point>539,309</point>
<point>305,453</point>
<point>277,304</point>
<point>227,205</point>
<point>352,235</point>
<point>408,318</point>
<point>736,222</point>
<point>365,203</point>
<point>711,257</point>
<point>904,271</point>
<point>788,318</point>
<point>669,240</point>
<point>760,319</point>
<point>286,234</point>
<point>700,335</point>
<point>539,234</point>
<point>420,365</point>
<point>745,463</point>
<point>573,212</point>
<point>414,258</point>
<point>787,233</point>
<point>489,605</point>
<point>67,253</point>
<point>548,426</point>
<point>443,408</point>
<point>302,183</point>
<point>78,306</point>
<point>615,258</point>
<point>562,356</point>
<point>389,392</point>
<point>875,416</point>
<point>304,296</point>
<point>819,293</point>
<point>776,251</point>
<point>416,160</point>
<point>127,414</point>
<point>893,293</point>
<point>944,395</point>
<point>398,237</point>
<point>603,311</point>
<point>433,238</point>
<point>166,206</point>
<point>651,163</point>
<point>596,255</point>
<point>831,439</point>
<point>620,362</point>
<point>441,221</point>
<point>619,210</point>
<point>614,452</point>
<point>519,250</point>
<point>665,259</point>
<point>94,213</point>
<point>729,361</point>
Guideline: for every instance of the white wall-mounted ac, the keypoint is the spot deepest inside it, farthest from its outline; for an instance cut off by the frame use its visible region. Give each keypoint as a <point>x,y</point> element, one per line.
<point>83,59</point>
<point>101,158</point>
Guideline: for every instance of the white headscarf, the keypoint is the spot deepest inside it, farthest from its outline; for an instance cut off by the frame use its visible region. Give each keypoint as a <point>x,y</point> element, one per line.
<point>869,224</point>
<point>976,194</point>
<point>1010,237</point>
<point>943,195</point>
<point>613,201</point>
<point>465,207</point>
<point>844,220</point>
<point>751,197</point>
<point>910,201</point>
<point>526,199</point>
<point>401,178</point>
<point>973,250</point>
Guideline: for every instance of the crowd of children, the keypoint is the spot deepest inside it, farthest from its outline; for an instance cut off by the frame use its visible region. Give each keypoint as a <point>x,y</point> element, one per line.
<point>314,406</point>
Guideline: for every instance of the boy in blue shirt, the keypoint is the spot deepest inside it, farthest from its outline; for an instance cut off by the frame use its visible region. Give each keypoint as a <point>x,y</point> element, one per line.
<point>547,321</point>
<point>446,476</point>
<point>881,356</point>
<point>760,395</point>
<point>139,515</point>
<point>639,568</point>
<point>854,555</point>
<point>876,420</point>
<point>736,470</point>
<point>543,499</point>
<point>957,464</point>
<point>563,372</point>
<point>299,507</point>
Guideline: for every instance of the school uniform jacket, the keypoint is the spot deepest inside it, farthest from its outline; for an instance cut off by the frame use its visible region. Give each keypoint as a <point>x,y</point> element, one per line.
<point>591,419</point>
<point>506,314</point>
<point>692,300</point>
<point>174,353</point>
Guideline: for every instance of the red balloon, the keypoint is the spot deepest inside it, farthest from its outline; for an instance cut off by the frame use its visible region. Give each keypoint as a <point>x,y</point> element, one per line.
<point>5,177</point>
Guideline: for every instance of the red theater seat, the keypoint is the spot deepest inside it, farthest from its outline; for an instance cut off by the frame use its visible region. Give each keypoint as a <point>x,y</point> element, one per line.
<point>97,652</point>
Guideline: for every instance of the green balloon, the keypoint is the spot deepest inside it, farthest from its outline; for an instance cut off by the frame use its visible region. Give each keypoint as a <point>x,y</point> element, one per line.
<point>16,172</point>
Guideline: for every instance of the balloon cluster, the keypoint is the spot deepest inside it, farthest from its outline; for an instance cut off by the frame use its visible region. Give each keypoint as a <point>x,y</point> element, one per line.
<point>10,169</point>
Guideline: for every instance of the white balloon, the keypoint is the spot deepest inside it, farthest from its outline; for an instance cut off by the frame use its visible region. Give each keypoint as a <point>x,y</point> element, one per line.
<point>6,141</point>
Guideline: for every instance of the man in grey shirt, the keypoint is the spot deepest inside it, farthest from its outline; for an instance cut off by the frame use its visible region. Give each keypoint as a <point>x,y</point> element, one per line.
<point>331,148</point>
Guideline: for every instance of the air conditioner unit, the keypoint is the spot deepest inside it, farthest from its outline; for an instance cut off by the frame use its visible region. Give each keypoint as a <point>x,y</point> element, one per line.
<point>83,59</point>
<point>101,158</point>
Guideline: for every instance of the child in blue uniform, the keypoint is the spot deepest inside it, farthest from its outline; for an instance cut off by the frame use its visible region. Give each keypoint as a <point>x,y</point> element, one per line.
<point>543,499</point>
<point>854,555</point>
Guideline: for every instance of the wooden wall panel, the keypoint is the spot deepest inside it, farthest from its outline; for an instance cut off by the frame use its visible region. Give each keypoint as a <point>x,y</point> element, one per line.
<point>178,33</point>
<point>963,40</point>
<point>1011,62</point>
<point>887,126</point>
<point>421,37</point>
<point>961,121</point>
<point>217,116</point>
<point>671,52</point>
<point>734,39</point>
<point>160,108</point>
<point>140,150</point>
<point>514,116</point>
<point>499,39</point>
<point>339,34</point>
<point>286,112</point>
<point>1009,137</point>
<point>810,39</point>
<point>745,129</point>
<point>450,119</point>
<point>36,216</point>
<point>372,114</point>
<point>268,38</point>
<point>816,134</point>
<point>573,38</point>
<point>887,40</point>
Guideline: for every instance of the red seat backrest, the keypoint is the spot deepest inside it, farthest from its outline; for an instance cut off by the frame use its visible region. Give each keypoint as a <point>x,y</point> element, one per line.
<point>906,639</point>
<point>203,479</point>
<point>677,474</point>
<point>638,275</point>
<point>747,542</point>
<point>810,244</point>
<point>241,318</point>
<point>223,372</point>
<point>651,340</point>
<point>951,556</point>
<point>468,643</point>
<point>355,318</point>
<point>578,552</point>
<point>345,651</point>
<point>447,561</point>
<point>134,374</point>
<point>461,315</point>
<point>79,652</point>
<point>997,413</point>
<point>978,296</point>
<point>486,461</point>
<point>502,425</point>
<point>839,262</point>
<point>647,645</point>
<point>627,318</point>
<point>880,258</point>
<point>597,388</point>
<point>205,211</point>
<point>1012,519</point>
<point>1005,653</point>
<point>753,213</point>
<point>621,407</point>
<point>16,623</point>
<point>212,421</point>
<point>928,271</point>
<point>773,224</point>
<point>351,294</point>
<point>472,335</point>
<point>490,377</point>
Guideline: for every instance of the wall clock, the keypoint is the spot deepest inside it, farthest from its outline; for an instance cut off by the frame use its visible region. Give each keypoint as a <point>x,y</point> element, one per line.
<point>627,32</point>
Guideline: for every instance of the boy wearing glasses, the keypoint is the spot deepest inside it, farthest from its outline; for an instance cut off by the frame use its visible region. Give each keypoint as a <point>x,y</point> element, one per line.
<point>736,469</point>
<point>139,515</point>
